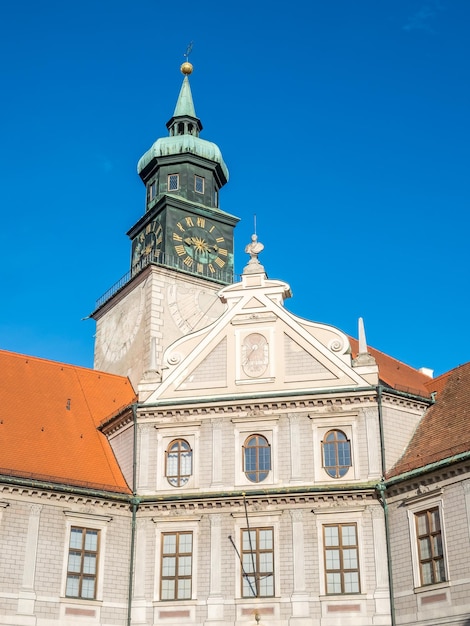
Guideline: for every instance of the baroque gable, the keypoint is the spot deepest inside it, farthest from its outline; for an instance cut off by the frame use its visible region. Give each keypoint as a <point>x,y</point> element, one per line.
<point>257,347</point>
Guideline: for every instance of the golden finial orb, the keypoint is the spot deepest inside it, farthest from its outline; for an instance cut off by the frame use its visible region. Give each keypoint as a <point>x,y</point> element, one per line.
<point>186,68</point>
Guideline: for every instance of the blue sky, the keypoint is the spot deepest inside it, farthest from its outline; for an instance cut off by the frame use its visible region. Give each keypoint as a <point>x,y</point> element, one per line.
<point>344,124</point>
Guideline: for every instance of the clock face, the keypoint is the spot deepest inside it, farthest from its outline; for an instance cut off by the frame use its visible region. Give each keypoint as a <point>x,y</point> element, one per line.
<point>148,243</point>
<point>255,355</point>
<point>200,244</point>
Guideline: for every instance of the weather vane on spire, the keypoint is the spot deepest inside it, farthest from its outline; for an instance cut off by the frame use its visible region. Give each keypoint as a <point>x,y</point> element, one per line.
<point>187,68</point>
<point>189,49</point>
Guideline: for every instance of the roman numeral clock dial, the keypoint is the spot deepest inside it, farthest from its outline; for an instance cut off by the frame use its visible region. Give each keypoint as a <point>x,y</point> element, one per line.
<point>147,244</point>
<point>200,244</point>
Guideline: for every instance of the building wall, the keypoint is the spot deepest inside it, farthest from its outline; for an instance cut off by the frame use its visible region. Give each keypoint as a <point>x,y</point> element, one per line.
<point>122,443</point>
<point>443,601</point>
<point>297,500</point>
<point>34,544</point>
<point>153,310</point>
<point>300,595</point>
<point>217,440</point>
<point>400,417</point>
<point>300,498</point>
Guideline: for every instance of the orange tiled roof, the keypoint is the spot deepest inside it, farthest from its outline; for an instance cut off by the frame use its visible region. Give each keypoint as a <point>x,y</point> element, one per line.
<point>443,431</point>
<point>49,413</point>
<point>436,385</point>
<point>396,374</point>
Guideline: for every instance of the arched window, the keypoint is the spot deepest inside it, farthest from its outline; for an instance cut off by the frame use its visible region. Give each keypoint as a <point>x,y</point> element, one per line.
<point>179,463</point>
<point>336,453</point>
<point>257,458</point>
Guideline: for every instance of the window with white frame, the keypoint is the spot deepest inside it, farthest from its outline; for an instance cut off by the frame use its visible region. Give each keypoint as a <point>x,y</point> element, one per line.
<point>257,559</point>
<point>427,537</point>
<point>256,450</point>
<point>84,555</point>
<point>430,546</point>
<point>256,458</point>
<point>173,182</point>
<point>199,184</point>
<point>176,458</point>
<point>341,557</point>
<point>334,447</point>
<point>82,563</point>
<point>179,463</point>
<point>336,453</point>
<point>176,565</point>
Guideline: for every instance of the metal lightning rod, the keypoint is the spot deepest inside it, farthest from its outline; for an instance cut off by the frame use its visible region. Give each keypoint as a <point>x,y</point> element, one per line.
<point>245,575</point>
<point>251,547</point>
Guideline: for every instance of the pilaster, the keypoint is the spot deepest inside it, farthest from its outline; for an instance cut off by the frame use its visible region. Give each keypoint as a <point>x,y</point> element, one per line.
<point>143,456</point>
<point>27,594</point>
<point>466,491</point>
<point>295,452</point>
<point>216,452</point>
<point>215,601</point>
<point>381,593</point>
<point>300,606</point>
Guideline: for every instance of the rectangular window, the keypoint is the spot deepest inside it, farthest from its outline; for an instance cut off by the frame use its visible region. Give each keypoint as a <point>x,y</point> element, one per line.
<point>257,563</point>
<point>152,190</point>
<point>173,182</point>
<point>176,571</point>
<point>430,548</point>
<point>341,558</point>
<point>199,184</point>
<point>82,563</point>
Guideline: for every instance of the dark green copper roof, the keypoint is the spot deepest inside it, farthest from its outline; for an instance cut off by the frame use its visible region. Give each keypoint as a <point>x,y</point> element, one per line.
<point>180,144</point>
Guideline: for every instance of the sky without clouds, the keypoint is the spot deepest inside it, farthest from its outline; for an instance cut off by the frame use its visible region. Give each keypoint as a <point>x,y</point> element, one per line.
<point>344,124</point>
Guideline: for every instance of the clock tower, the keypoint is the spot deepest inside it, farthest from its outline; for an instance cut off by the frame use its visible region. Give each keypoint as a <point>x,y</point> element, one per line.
<point>181,252</point>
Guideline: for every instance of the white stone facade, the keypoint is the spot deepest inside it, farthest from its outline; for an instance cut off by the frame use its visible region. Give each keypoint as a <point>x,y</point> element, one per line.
<point>302,387</point>
<point>420,601</point>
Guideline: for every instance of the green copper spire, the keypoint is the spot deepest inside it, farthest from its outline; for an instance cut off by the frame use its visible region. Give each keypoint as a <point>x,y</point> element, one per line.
<point>183,129</point>
<point>185,105</point>
<point>184,120</point>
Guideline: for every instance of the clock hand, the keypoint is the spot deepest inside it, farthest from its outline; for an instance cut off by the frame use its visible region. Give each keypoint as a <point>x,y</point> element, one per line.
<point>250,354</point>
<point>194,241</point>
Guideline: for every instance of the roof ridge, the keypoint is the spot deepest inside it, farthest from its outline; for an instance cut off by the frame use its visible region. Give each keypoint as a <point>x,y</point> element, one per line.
<point>449,372</point>
<point>29,357</point>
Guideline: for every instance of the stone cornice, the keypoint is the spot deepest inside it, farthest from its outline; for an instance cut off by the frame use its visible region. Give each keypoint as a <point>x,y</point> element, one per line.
<point>425,481</point>
<point>327,497</point>
<point>117,502</point>
<point>404,402</point>
<point>236,503</point>
<point>339,400</point>
<point>185,411</point>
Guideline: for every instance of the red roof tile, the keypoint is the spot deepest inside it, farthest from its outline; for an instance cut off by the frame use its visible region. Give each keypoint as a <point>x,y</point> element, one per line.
<point>443,431</point>
<point>49,413</point>
<point>396,374</point>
